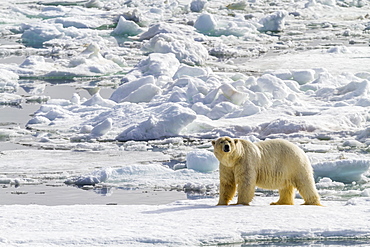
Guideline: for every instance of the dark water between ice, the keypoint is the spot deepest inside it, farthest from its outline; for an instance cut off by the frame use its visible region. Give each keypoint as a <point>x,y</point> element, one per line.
<point>11,116</point>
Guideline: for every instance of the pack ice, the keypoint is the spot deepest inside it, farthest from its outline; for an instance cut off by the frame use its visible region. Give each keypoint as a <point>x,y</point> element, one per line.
<point>180,73</point>
<point>179,78</point>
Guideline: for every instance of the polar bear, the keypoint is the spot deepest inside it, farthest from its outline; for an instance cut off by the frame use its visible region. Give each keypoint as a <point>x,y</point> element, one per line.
<point>271,164</point>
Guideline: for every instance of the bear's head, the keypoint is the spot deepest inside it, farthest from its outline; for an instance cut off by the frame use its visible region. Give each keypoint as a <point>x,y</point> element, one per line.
<point>224,144</point>
<point>224,149</point>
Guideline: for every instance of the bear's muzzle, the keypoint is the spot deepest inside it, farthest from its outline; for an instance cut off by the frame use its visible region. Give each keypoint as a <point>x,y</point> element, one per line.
<point>226,148</point>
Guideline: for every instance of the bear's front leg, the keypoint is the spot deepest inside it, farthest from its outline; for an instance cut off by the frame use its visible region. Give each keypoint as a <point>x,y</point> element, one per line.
<point>245,193</point>
<point>227,192</point>
<point>227,185</point>
<point>246,187</point>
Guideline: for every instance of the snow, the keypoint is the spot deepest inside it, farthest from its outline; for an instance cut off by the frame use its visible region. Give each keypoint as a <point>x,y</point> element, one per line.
<point>183,223</point>
<point>151,83</point>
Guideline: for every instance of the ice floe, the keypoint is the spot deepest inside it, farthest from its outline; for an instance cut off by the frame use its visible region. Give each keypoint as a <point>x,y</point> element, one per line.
<point>182,73</point>
<point>344,223</point>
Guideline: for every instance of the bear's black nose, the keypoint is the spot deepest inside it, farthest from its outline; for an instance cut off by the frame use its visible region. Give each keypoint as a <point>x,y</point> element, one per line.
<point>226,148</point>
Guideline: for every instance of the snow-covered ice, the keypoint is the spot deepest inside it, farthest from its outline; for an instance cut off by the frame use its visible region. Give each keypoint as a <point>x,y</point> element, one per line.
<point>185,223</point>
<point>180,73</point>
<point>202,161</point>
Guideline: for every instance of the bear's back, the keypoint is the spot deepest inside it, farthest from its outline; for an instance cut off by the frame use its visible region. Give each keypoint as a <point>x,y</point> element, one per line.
<point>280,161</point>
<point>281,149</point>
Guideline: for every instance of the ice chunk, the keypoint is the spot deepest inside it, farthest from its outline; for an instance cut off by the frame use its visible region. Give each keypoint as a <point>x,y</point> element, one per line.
<point>201,109</point>
<point>353,144</point>
<point>327,183</point>
<point>76,99</point>
<point>96,99</point>
<point>285,126</point>
<point>80,22</point>
<point>359,201</point>
<point>247,109</point>
<point>8,81</point>
<point>274,22</point>
<point>135,15</point>
<point>283,74</point>
<point>90,62</point>
<point>36,35</point>
<point>126,89</point>
<point>38,120</point>
<point>273,86</point>
<point>262,100</point>
<point>196,89</point>
<point>35,62</point>
<point>363,75</point>
<point>328,2</point>
<point>236,97</point>
<point>125,27</point>
<point>86,129</point>
<point>366,193</point>
<point>177,95</point>
<point>157,29</point>
<point>205,23</point>
<point>54,111</point>
<point>339,49</point>
<point>352,90</point>
<point>221,109</point>
<point>167,120</point>
<point>186,70</point>
<point>185,49</point>
<point>10,99</point>
<point>102,128</point>
<point>303,76</point>
<point>94,178</point>
<point>94,4</point>
<point>158,64</point>
<point>310,3</point>
<point>241,5</point>
<point>346,171</point>
<point>130,175</point>
<point>6,180</point>
<point>144,93</point>
<point>198,5</point>
<point>202,161</point>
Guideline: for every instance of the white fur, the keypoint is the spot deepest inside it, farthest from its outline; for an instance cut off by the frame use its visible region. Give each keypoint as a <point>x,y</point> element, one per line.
<point>272,164</point>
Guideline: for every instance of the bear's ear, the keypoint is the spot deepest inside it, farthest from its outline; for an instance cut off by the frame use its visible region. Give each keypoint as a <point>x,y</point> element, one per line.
<point>213,143</point>
<point>236,141</point>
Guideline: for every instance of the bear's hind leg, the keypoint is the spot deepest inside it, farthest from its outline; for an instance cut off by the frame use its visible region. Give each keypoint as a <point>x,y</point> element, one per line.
<point>308,192</point>
<point>286,196</point>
